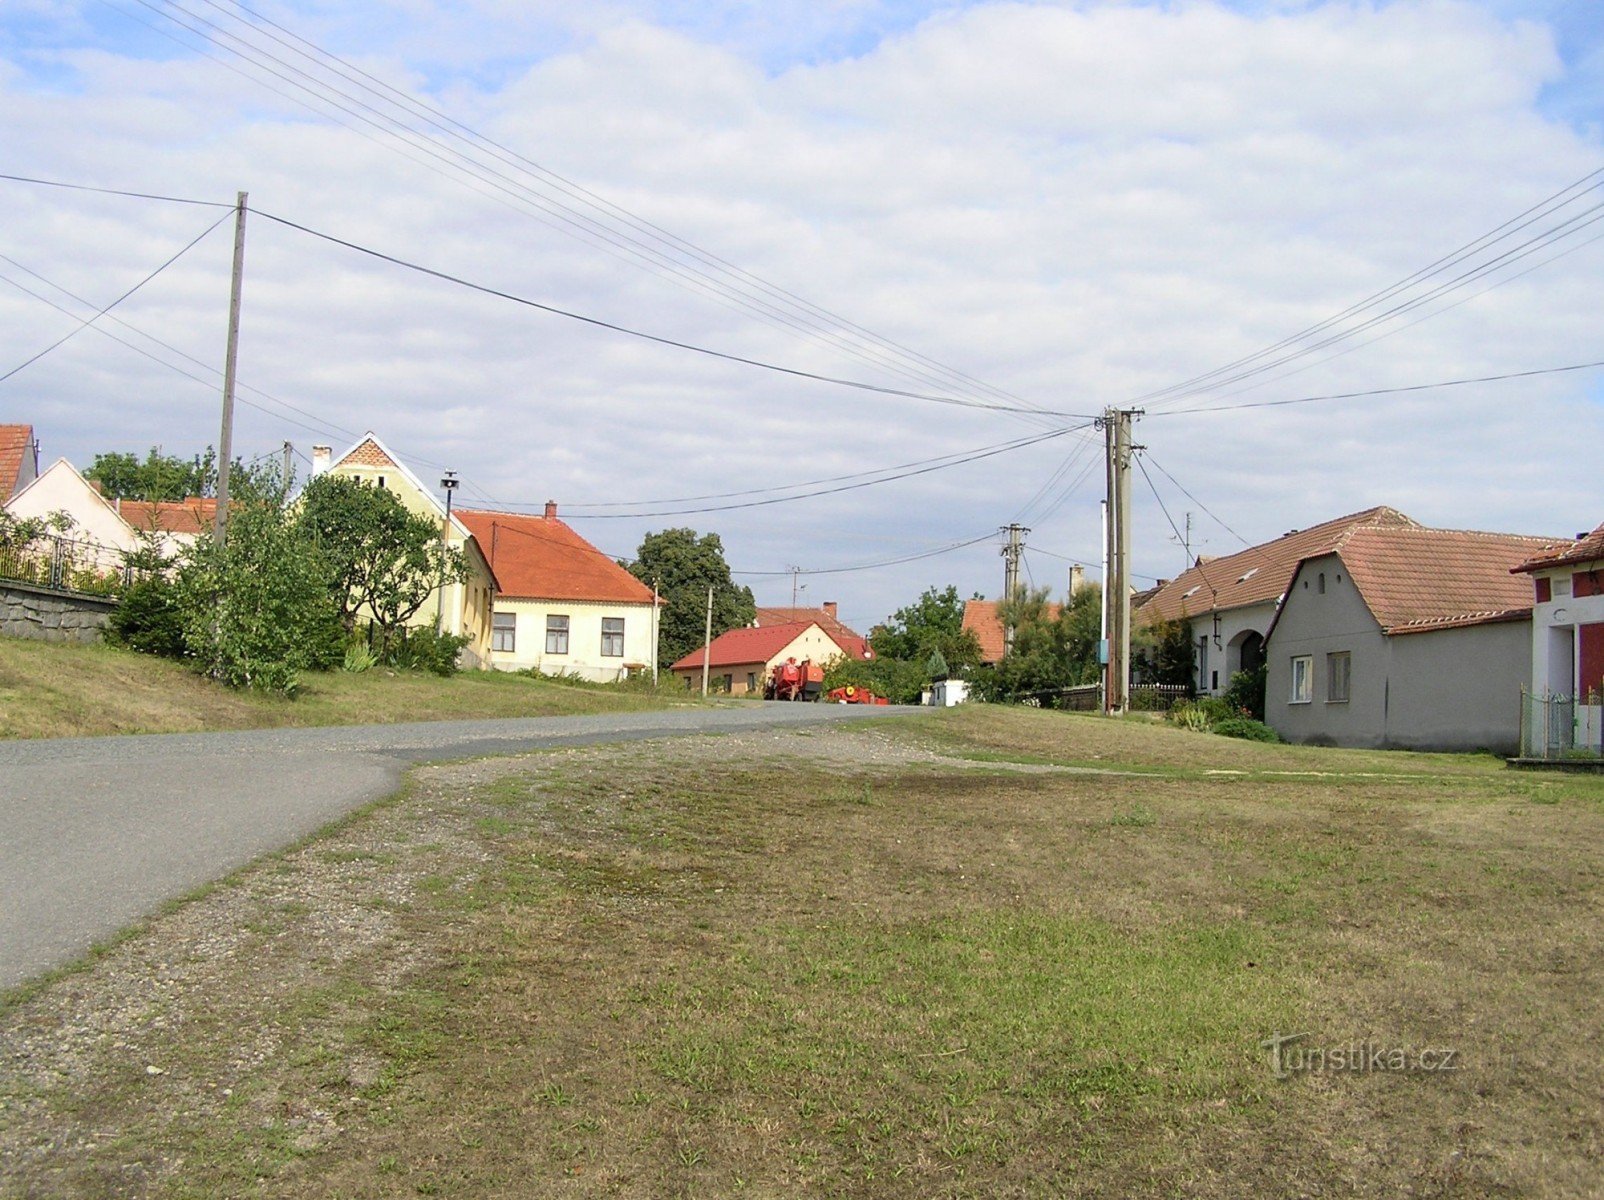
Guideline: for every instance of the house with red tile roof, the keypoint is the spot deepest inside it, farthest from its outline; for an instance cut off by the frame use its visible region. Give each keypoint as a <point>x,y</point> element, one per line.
<point>741,660</point>
<point>981,619</point>
<point>854,643</point>
<point>462,609</point>
<point>1231,600</point>
<point>1566,590</point>
<point>1399,636</point>
<point>564,607</point>
<point>19,459</point>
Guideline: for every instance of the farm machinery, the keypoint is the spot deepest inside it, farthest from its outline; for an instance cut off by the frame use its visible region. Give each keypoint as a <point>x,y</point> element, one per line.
<point>792,680</point>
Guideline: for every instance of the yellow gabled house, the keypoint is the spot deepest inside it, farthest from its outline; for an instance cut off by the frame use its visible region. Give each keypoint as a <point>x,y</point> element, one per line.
<point>460,609</point>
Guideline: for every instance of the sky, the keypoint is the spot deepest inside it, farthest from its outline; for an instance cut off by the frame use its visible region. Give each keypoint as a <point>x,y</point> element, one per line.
<point>1022,214</point>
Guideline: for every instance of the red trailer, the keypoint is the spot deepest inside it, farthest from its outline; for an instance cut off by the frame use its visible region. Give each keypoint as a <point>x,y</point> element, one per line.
<point>792,680</point>
<point>852,694</point>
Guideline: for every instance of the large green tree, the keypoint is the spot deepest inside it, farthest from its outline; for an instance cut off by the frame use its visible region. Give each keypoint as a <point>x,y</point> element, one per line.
<point>932,624</point>
<point>682,565</point>
<point>1050,650</point>
<point>383,561</point>
<point>124,476</point>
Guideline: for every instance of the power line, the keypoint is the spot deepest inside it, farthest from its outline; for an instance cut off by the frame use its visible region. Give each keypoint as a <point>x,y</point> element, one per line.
<point>83,187</point>
<point>875,566</point>
<point>85,323</point>
<point>597,322</point>
<point>1197,502</point>
<point>1392,391</point>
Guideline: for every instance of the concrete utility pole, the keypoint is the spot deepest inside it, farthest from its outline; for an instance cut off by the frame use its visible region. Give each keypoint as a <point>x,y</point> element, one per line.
<point>1116,423</point>
<point>707,644</point>
<point>654,633</point>
<point>225,440</point>
<point>449,483</point>
<point>288,450</point>
<point>1011,553</point>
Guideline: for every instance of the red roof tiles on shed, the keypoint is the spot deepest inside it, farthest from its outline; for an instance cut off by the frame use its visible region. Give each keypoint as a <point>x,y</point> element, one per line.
<point>193,514</point>
<point>541,558</point>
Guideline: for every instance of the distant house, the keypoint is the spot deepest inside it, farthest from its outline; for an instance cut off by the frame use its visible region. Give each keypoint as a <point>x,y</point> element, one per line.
<point>19,459</point>
<point>460,609</point>
<point>564,606</point>
<point>1231,600</point>
<point>1567,637</point>
<point>854,643</point>
<point>740,661</point>
<point>1403,637</point>
<point>981,619</point>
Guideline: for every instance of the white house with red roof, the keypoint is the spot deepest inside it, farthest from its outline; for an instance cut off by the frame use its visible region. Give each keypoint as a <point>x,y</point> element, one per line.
<point>564,607</point>
<point>1567,638</point>
<point>851,641</point>
<point>739,662</point>
<point>1399,636</point>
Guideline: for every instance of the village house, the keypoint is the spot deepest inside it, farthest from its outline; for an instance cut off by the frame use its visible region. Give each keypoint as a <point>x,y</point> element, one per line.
<point>1566,709</point>
<point>1399,636</point>
<point>740,661</point>
<point>564,607</point>
<point>854,643</point>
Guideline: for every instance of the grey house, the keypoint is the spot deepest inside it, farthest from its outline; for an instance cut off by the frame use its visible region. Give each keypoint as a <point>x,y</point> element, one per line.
<point>1404,637</point>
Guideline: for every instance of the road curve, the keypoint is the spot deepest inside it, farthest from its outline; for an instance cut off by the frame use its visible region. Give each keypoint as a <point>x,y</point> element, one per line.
<point>96,833</point>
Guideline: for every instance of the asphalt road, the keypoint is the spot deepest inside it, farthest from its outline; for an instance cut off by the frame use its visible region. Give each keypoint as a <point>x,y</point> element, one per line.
<point>96,833</point>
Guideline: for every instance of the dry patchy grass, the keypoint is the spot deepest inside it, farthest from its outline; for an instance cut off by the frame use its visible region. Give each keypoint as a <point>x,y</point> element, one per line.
<point>793,964</point>
<point>86,691</point>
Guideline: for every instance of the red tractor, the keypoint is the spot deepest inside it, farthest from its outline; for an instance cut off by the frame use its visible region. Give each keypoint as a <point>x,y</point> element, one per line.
<point>792,680</point>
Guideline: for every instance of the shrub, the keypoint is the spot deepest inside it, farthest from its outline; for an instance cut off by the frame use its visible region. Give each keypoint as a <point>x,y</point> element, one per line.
<point>1245,692</point>
<point>422,648</point>
<point>1247,728</point>
<point>359,657</point>
<point>1202,714</point>
<point>147,619</point>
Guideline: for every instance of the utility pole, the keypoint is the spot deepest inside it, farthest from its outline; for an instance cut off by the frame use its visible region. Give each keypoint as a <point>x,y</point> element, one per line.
<point>288,450</point>
<point>225,440</point>
<point>449,483</point>
<point>1116,423</point>
<point>795,572</point>
<point>1011,553</point>
<point>654,633</point>
<point>707,645</point>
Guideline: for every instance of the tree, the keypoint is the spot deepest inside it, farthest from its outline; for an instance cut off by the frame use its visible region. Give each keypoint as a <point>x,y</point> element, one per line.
<point>932,624</point>
<point>1050,651</point>
<point>1161,652</point>
<point>682,566</point>
<point>382,560</point>
<point>258,610</point>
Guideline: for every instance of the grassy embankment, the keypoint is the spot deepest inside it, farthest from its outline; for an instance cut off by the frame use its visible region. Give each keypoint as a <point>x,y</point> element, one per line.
<point>688,970</point>
<point>86,691</point>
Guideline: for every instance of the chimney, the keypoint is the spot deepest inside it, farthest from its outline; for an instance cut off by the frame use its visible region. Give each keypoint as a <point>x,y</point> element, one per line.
<point>1077,580</point>
<point>829,609</point>
<point>320,459</point>
<point>551,510</point>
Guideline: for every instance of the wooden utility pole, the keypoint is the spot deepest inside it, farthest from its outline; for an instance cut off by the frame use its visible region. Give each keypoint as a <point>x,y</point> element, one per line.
<point>1011,552</point>
<point>1116,424</point>
<point>225,440</point>
<point>707,644</point>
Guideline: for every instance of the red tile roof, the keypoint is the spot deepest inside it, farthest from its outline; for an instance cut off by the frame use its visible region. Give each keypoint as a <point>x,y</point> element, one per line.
<point>1566,551</point>
<point>1258,574</point>
<point>16,447</point>
<point>854,643</point>
<point>541,558</point>
<point>980,618</point>
<point>1417,580</point>
<point>749,644</point>
<point>367,453</point>
<point>192,514</point>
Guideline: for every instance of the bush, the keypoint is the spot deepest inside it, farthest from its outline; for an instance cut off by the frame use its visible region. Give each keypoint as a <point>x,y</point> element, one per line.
<point>147,619</point>
<point>1246,728</point>
<point>1245,693</point>
<point>422,648</point>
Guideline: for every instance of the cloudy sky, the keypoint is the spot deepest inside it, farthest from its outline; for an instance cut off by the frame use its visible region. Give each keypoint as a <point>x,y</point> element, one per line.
<point>1023,213</point>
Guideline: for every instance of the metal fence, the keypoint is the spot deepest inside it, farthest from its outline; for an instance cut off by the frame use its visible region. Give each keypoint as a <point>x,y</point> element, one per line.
<point>1555,727</point>
<point>66,565</point>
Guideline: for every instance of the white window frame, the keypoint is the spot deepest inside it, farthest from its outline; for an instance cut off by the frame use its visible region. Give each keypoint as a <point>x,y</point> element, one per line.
<point>1333,674</point>
<point>612,637</point>
<point>504,623</point>
<point>556,633</point>
<point>1302,679</point>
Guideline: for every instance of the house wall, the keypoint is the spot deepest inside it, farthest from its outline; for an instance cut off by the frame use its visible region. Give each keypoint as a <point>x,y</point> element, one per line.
<point>1319,624</point>
<point>61,489</point>
<point>1557,630</point>
<point>812,643</point>
<point>1450,689</point>
<point>584,657</point>
<point>1214,663</point>
<point>746,679</point>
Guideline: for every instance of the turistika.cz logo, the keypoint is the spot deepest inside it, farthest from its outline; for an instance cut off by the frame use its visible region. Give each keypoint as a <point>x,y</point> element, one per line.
<point>1289,1057</point>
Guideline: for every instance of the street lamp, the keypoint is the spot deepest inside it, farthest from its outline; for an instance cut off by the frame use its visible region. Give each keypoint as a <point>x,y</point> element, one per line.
<point>449,483</point>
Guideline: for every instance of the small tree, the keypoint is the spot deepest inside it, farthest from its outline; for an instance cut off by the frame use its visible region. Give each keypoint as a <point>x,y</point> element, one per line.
<point>931,624</point>
<point>382,560</point>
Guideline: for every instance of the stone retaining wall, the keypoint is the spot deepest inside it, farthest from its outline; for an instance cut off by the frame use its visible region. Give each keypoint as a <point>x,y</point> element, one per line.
<point>43,615</point>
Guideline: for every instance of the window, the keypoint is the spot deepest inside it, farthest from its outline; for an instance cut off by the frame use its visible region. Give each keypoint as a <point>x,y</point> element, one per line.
<point>612,637</point>
<point>1322,588</point>
<point>1339,668</point>
<point>1302,679</point>
<point>751,681</point>
<point>556,635</point>
<point>729,683</point>
<point>504,632</point>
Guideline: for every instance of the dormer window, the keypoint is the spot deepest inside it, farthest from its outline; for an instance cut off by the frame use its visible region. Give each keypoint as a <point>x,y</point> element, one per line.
<point>1190,592</point>
<point>1247,575</point>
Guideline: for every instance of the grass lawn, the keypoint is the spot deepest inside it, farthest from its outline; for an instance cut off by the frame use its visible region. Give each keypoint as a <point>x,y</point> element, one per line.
<point>84,691</point>
<point>831,963</point>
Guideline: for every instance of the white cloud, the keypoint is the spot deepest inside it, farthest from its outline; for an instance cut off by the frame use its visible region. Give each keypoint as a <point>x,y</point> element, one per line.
<point>1076,203</point>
